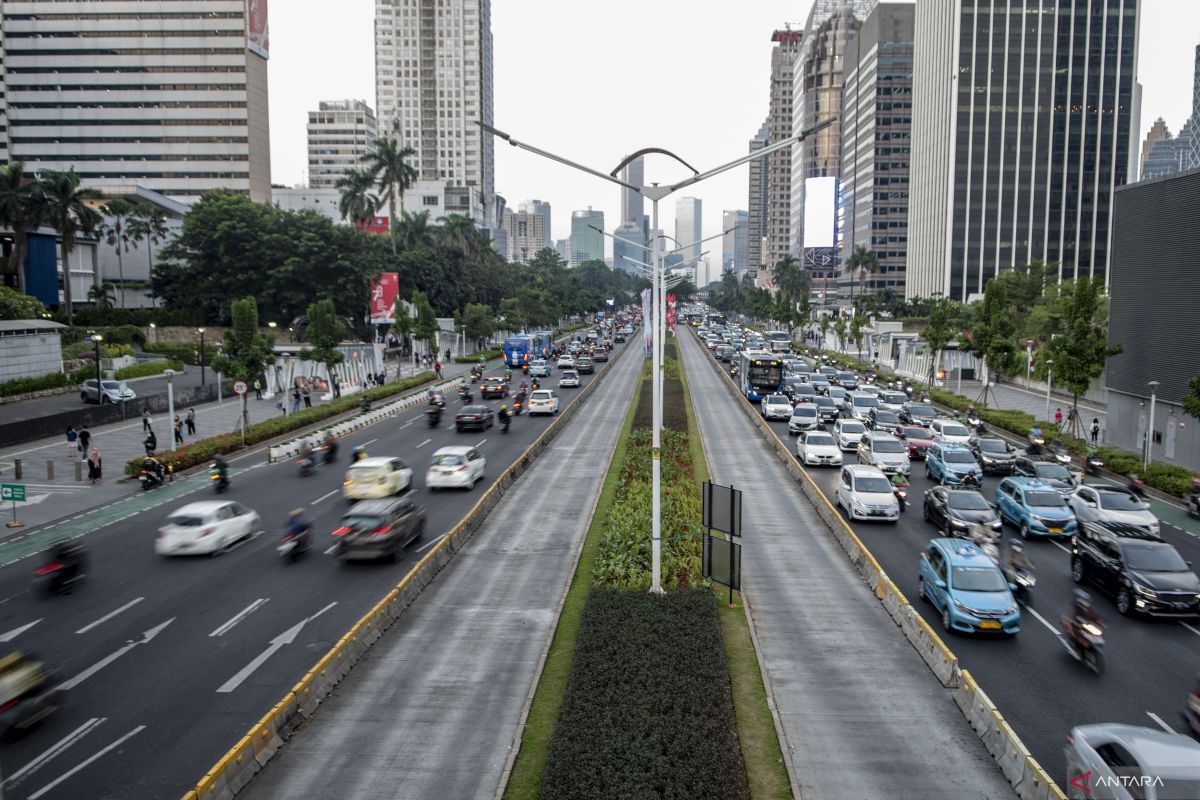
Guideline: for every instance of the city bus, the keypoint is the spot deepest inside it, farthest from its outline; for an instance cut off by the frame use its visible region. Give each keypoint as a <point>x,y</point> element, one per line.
<point>543,344</point>
<point>518,351</point>
<point>759,374</point>
<point>778,341</point>
<point>715,319</point>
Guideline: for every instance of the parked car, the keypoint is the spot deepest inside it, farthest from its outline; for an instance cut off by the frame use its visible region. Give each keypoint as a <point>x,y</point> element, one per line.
<point>968,588</point>
<point>804,417</point>
<point>496,387</point>
<point>1034,508</point>
<point>378,529</point>
<point>949,463</point>
<point>206,527</point>
<point>1112,504</point>
<point>376,477</point>
<point>776,406</point>
<point>1145,574</point>
<point>816,447</point>
<point>995,456</point>
<point>543,401</point>
<point>110,392</point>
<point>955,511</point>
<point>848,432</point>
<point>866,493</point>
<point>568,378</point>
<point>455,467</point>
<point>478,418</point>
<point>1102,759</point>
<point>916,439</point>
<point>1051,473</point>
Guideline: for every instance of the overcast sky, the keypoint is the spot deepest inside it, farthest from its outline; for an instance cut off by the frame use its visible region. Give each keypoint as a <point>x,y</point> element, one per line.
<point>595,81</point>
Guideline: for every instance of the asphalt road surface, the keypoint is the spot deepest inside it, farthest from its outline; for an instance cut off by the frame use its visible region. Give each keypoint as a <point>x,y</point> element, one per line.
<point>146,642</point>
<point>1040,689</point>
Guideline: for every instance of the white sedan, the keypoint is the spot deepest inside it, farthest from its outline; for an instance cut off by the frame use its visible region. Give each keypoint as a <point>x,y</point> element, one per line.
<point>566,362</point>
<point>543,401</point>
<point>569,377</point>
<point>207,527</point>
<point>455,468</point>
<point>371,478</point>
<point>817,448</point>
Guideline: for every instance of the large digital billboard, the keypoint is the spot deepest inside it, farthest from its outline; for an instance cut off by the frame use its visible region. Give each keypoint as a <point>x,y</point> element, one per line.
<point>820,210</point>
<point>256,27</point>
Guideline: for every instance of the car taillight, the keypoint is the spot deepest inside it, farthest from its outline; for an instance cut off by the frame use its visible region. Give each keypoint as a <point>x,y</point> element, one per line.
<point>342,531</point>
<point>380,531</point>
<point>478,416</point>
<point>46,570</point>
<point>207,531</point>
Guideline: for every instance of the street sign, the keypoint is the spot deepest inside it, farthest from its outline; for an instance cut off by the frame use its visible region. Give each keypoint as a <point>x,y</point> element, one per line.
<point>239,387</point>
<point>12,491</point>
<point>721,508</point>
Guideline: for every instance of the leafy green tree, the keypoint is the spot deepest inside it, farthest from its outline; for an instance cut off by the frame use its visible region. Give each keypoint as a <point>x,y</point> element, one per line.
<point>478,323</point>
<point>791,279</point>
<point>941,330</point>
<point>68,211</point>
<point>247,351</point>
<point>1082,350</point>
<point>22,209</point>
<point>839,330</point>
<point>402,322</point>
<point>857,323</point>
<point>824,326</point>
<point>114,227</point>
<point>325,331</point>
<point>18,305</point>
<point>414,231</point>
<point>993,336</point>
<point>861,263</point>
<point>512,317</point>
<point>1191,400</point>
<point>102,295</point>
<point>426,328</point>
<point>389,166</point>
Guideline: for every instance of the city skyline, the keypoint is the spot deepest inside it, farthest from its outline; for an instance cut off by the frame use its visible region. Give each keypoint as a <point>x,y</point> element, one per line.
<point>731,91</point>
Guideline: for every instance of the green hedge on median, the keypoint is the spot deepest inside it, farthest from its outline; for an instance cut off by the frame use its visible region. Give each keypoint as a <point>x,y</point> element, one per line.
<point>648,710</point>
<point>489,354</point>
<point>200,451</point>
<point>147,368</point>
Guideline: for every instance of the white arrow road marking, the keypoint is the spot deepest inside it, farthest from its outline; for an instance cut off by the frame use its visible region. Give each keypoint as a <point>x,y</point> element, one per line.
<point>15,632</point>
<point>58,748</point>
<point>83,764</point>
<point>111,614</point>
<point>287,637</point>
<point>241,615</point>
<point>1161,724</point>
<point>104,662</point>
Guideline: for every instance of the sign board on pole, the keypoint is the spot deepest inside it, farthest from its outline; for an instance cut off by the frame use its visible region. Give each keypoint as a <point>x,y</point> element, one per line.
<point>239,387</point>
<point>12,491</point>
<point>384,292</point>
<point>722,560</point>
<point>722,508</point>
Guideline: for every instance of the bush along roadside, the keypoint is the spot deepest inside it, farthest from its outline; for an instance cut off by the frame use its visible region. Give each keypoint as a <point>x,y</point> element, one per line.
<point>41,383</point>
<point>146,369</point>
<point>200,451</point>
<point>473,358</point>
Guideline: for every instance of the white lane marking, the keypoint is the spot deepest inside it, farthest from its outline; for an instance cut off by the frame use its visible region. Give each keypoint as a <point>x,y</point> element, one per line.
<point>238,617</point>
<point>15,632</point>
<point>1042,620</point>
<point>1061,546</point>
<point>83,764</point>
<point>147,637</point>
<point>56,749</point>
<point>405,425</point>
<point>111,614</point>
<point>285,638</point>
<point>1190,628</point>
<point>1161,724</point>
<point>324,496</point>
<point>422,444</point>
<point>482,442</point>
<point>427,545</point>
<point>414,419</point>
<point>449,427</point>
<point>332,547</point>
<point>369,441</point>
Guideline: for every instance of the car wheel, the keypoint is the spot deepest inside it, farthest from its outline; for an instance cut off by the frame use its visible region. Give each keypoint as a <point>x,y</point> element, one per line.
<point>921,589</point>
<point>83,396</point>
<point>1025,530</point>
<point>928,474</point>
<point>1077,570</point>
<point>946,619</point>
<point>1124,602</point>
<point>925,512</point>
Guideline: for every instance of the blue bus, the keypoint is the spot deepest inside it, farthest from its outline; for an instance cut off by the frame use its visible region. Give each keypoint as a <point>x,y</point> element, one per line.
<point>518,351</point>
<point>759,374</point>
<point>543,344</point>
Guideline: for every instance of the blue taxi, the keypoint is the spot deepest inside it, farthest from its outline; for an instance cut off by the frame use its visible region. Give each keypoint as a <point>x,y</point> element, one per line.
<point>1035,508</point>
<point>967,587</point>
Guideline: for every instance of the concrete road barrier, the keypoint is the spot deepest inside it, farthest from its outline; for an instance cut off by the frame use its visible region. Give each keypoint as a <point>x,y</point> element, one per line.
<point>1020,768</point>
<point>235,769</point>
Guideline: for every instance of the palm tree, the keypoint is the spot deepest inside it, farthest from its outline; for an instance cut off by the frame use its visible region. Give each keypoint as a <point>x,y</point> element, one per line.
<point>148,224</point>
<point>116,231</point>
<point>862,262</point>
<point>68,212</point>
<point>21,211</point>
<point>414,231</point>
<point>458,232</point>
<point>387,163</point>
<point>791,278</point>
<point>102,296</point>
<point>356,203</point>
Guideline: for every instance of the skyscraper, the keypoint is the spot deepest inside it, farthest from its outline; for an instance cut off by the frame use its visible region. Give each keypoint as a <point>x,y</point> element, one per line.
<point>127,94</point>
<point>543,208</point>
<point>340,133</point>
<point>1165,155</point>
<point>779,163</point>
<point>433,84</point>
<point>876,133</point>
<point>1022,124</point>
<point>632,203</point>
<point>630,240</point>
<point>688,227</point>
<point>735,241</point>
<point>587,243</point>
<point>525,234</point>
<point>756,223</point>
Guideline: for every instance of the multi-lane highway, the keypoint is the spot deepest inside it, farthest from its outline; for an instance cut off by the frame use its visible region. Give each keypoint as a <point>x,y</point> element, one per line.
<point>1042,692</point>
<point>169,661</point>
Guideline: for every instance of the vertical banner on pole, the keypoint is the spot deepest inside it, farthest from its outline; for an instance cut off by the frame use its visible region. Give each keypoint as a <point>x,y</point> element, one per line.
<point>647,323</point>
<point>384,291</point>
<point>671,312</point>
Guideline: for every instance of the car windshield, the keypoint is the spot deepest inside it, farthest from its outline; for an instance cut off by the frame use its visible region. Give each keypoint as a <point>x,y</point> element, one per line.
<point>362,522</point>
<point>570,374</point>
<point>470,410</point>
<point>804,410</point>
<point>1119,501</point>
<point>823,401</point>
<point>540,395</point>
<point>968,501</point>
<point>1052,471</point>
<point>1153,557</point>
<point>894,398</point>
<point>873,485</point>
<point>886,418</point>
<point>921,411</point>
<point>992,445</point>
<point>1045,500</point>
<point>112,385</point>
<point>846,376</point>
<point>805,389</point>
<point>186,520</point>
<point>866,401</point>
<point>853,427</point>
<point>954,430</point>
<point>914,433</point>
<point>979,579</point>
<point>819,439</point>
<point>447,460</point>
<point>958,457</point>
<point>887,445</point>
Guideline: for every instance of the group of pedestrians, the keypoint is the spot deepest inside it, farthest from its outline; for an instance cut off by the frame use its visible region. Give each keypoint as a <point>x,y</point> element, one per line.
<point>79,445</point>
<point>150,443</point>
<point>1093,429</point>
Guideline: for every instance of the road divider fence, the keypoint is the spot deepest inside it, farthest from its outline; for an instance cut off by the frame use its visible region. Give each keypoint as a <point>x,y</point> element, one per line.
<point>1021,769</point>
<point>241,763</point>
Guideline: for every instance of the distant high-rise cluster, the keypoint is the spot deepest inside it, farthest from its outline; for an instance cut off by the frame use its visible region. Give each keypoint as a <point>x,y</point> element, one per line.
<point>587,237</point>
<point>1164,154</point>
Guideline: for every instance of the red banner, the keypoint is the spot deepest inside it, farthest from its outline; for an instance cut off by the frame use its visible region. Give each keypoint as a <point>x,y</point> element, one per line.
<point>384,292</point>
<point>257,39</point>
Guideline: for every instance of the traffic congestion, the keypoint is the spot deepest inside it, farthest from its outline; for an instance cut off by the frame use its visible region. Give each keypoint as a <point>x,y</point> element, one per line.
<point>1060,590</point>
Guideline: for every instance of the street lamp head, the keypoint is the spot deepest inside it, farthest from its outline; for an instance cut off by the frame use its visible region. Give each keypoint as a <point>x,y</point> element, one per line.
<point>152,325</point>
<point>95,337</point>
<point>1153,384</point>
<point>200,330</point>
<point>170,373</point>
<point>272,324</point>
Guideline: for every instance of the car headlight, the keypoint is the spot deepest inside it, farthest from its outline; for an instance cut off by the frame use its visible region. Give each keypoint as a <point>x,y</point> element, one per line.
<point>960,524</point>
<point>996,524</point>
<point>987,460</point>
<point>859,504</point>
<point>1144,591</point>
<point>964,608</point>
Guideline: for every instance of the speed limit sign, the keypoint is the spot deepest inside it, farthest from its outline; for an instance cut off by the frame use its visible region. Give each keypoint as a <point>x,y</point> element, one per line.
<point>239,387</point>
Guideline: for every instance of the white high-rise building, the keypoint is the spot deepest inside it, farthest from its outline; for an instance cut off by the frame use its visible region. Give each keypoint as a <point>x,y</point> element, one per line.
<point>543,208</point>
<point>687,227</point>
<point>587,237</point>
<point>433,85</point>
<point>133,92</point>
<point>526,234</point>
<point>340,133</point>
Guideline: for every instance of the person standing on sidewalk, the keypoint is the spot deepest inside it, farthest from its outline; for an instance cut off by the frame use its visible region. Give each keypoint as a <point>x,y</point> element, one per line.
<point>295,399</point>
<point>1058,418</point>
<point>307,397</point>
<point>191,422</point>
<point>1095,429</point>
<point>146,419</point>
<point>178,423</point>
<point>85,441</point>
<point>72,442</point>
<point>437,370</point>
<point>257,389</point>
<point>94,465</point>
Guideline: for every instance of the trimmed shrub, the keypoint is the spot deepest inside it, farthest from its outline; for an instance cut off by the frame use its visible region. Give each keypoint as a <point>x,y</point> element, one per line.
<point>16,386</point>
<point>490,354</point>
<point>147,368</point>
<point>183,351</point>
<point>648,710</point>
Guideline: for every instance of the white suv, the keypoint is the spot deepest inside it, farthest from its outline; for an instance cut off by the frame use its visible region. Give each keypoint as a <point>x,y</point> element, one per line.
<point>543,401</point>
<point>1098,756</point>
<point>866,493</point>
<point>566,362</point>
<point>776,406</point>
<point>884,451</point>
<point>848,433</point>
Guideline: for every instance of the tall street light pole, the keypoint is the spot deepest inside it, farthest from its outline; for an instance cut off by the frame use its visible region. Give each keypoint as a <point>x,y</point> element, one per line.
<point>201,332</point>
<point>1147,457</point>
<point>1049,383</point>
<point>655,193</point>
<point>96,340</point>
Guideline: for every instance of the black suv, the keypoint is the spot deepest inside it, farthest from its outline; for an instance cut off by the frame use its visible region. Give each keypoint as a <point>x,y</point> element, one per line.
<point>995,456</point>
<point>1050,473</point>
<point>379,529</point>
<point>955,511</point>
<point>1145,574</point>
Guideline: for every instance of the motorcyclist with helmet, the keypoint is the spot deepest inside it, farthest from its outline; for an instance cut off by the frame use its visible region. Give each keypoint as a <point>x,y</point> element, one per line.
<point>970,480</point>
<point>1082,612</point>
<point>308,459</point>
<point>1193,498</point>
<point>358,453</point>
<point>505,418</point>
<point>298,527</point>
<point>155,467</point>
<point>1017,561</point>
<point>331,447</point>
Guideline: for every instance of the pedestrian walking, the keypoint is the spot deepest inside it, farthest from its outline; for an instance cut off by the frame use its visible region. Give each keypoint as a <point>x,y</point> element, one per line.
<point>447,353</point>
<point>1095,429</point>
<point>178,430</point>
<point>307,397</point>
<point>337,388</point>
<point>85,441</point>
<point>150,443</point>
<point>437,370</point>
<point>72,442</point>
<point>146,418</point>
<point>191,422</point>
<point>1071,418</point>
<point>94,466</point>
<point>295,399</point>
<point>1058,418</point>
<point>281,404</point>
<point>257,389</point>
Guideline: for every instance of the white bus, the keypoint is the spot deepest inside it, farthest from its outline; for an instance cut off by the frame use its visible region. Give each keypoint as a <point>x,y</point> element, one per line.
<point>778,341</point>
